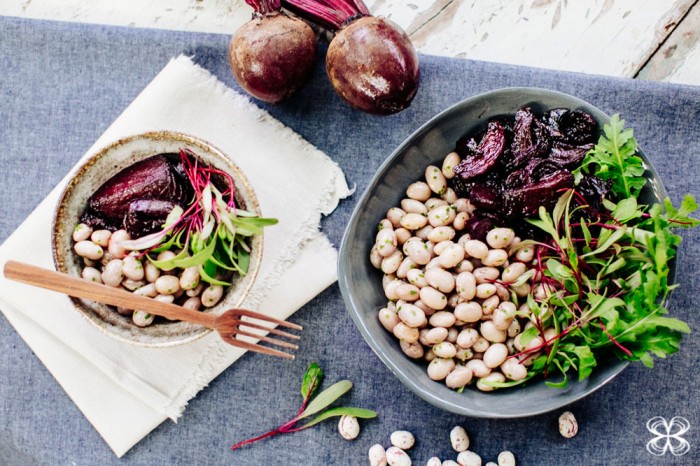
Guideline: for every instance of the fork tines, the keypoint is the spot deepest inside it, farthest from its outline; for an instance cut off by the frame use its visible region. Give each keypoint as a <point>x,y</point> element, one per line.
<point>239,327</point>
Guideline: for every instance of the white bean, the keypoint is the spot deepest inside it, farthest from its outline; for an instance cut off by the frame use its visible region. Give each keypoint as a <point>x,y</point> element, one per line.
<point>115,247</point>
<point>152,272</point>
<point>417,277</point>
<point>452,334</point>
<point>419,191</point>
<point>451,256</point>
<point>194,303</point>
<point>481,344</point>
<point>449,195</point>
<point>445,350</point>
<point>495,258</point>
<point>500,238</point>
<point>495,355</point>
<point>386,242</point>
<point>167,284</point>
<point>417,250</point>
<point>189,278</point>
<point>385,224</point>
<point>132,268</point>
<point>459,377</point>
<point>485,290</point>
<point>459,438</point>
<point>440,368</point>
<point>466,285</point>
<point>449,163</point>
<point>441,216</point>
<point>434,202</point>
<point>513,369</point>
<point>406,265</point>
<point>486,274</point>
<point>101,237</point>
<point>484,384</point>
<point>394,215</point>
<point>433,298</point>
<point>377,455</point>
<point>513,272</point>
<point>460,221</point>
<point>450,463</point>
<point>388,318</point>
<point>88,250</point>
<point>402,235</point>
<point>476,249</point>
<point>391,263</point>
<point>489,331</point>
<point>112,273</point>
<point>397,457</point>
<point>436,180</point>
<point>525,254</point>
<point>211,295</point>
<point>405,333</point>
<point>407,292</point>
<point>444,319</point>
<point>467,338</point>
<point>568,426</point>
<point>468,458</point>
<point>348,427</point>
<point>165,255</point>
<point>434,461</point>
<point>91,274</point>
<point>402,439</point>
<point>148,291</point>
<point>435,335</point>
<point>478,368</point>
<point>423,233</point>
<point>412,206</point>
<point>412,350</point>
<point>195,291</point>
<point>463,354</point>
<point>142,318</point>
<point>81,232</point>
<point>413,221</point>
<point>165,298</point>
<point>489,304</point>
<point>440,279</point>
<point>133,285</point>
<point>411,315</point>
<point>463,205</point>
<point>440,247</point>
<point>506,458</point>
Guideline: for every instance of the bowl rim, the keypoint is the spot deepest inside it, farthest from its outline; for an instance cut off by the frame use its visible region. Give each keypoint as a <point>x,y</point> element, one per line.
<point>352,306</point>
<point>161,135</point>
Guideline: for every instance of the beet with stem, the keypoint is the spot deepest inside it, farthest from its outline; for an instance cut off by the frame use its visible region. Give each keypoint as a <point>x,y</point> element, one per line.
<point>371,61</point>
<point>273,54</point>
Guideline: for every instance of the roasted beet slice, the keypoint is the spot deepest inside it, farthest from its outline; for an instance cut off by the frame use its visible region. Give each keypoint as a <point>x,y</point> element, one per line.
<point>530,139</point>
<point>478,159</point>
<point>485,197</point>
<point>567,154</point>
<point>146,216</point>
<point>593,189</point>
<point>526,200</point>
<point>156,177</point>
<point>535,170</point>
<point>480,224</point>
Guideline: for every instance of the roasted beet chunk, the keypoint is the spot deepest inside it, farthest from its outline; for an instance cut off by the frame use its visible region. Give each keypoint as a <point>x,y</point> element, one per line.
<point>593,189</point>
<point>573,127</point>
<point>526,200</point>
<point>567,154</point>
<point>155,178</point>
<point>479,158</point>
<point>530,139</point>
<point>146,216</point>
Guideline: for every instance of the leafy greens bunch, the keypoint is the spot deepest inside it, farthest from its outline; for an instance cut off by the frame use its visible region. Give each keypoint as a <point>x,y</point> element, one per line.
<point>605,271</point>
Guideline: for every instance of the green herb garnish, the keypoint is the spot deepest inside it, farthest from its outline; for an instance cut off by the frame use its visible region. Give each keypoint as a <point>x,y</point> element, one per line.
<point>310,383</point>
<point>608,270</point>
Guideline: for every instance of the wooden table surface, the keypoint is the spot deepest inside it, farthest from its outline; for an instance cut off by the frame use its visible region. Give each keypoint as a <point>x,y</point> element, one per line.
<point>649,39</point>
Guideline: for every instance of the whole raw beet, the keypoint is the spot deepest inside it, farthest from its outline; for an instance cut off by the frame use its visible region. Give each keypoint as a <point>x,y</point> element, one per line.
<point>272,55</point>
<point>373,66</point>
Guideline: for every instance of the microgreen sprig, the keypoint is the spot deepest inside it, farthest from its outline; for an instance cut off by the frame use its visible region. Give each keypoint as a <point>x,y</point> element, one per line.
<point>310,384</point>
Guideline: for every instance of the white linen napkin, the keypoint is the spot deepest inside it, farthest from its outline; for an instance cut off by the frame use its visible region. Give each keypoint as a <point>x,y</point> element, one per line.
<point>124,390</point>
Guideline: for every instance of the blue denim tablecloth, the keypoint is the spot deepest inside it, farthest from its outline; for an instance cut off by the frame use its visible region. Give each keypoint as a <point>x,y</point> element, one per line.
<point>62,84</point>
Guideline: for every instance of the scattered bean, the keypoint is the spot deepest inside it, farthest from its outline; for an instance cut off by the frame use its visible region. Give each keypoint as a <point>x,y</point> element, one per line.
<point>506,458</point>
<point>397,457</point>
<point>349,427</point>
<point>402,439</point>
<point>568,426</point>
<point>468,458</point>
<point>459,439</point>
<point>377,455</point>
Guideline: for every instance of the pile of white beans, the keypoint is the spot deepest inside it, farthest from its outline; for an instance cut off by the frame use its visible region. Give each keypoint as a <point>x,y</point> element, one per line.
<point>402,440</point>
<point>106,261</point>
<point>457,302</point>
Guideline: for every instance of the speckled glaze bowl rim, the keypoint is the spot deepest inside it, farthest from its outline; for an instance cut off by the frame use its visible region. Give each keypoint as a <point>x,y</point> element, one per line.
<point>242,184</point>
<point>395,364</point>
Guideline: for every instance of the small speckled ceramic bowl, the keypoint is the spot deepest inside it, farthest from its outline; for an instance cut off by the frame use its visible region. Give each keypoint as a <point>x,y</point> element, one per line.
<point>361,286</point>
<point>99,168</point>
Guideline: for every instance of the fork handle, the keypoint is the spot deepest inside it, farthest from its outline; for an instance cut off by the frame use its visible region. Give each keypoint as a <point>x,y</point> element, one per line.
<point>80,288</point>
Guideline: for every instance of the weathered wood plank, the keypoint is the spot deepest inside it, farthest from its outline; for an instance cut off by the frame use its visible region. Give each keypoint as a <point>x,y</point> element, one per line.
<point>678,58</point>
<point>613,37</point>
<point>599,36</point>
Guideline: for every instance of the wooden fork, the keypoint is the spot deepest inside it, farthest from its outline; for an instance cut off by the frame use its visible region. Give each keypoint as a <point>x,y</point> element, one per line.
<point>228,325</point>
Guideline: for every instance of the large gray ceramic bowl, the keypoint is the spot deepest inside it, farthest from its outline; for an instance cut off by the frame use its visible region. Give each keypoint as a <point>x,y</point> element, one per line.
<point>99,168</point>
<point>361,286</point>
